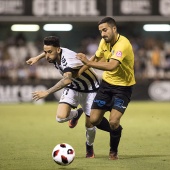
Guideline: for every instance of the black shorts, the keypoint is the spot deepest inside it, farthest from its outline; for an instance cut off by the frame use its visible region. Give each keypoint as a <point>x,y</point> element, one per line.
<point>111,97</point>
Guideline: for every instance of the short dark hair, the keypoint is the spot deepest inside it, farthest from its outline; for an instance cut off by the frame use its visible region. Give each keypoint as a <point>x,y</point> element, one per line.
<point>52,40</point>
<point>108,20</point>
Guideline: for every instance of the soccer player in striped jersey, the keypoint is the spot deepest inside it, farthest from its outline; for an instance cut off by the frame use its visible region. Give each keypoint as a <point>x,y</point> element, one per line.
<point>118,78</point>
<point>77,89</point>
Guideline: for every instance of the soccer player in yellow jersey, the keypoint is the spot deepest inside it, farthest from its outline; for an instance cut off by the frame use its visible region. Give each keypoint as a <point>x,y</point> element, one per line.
<point>115,56</point>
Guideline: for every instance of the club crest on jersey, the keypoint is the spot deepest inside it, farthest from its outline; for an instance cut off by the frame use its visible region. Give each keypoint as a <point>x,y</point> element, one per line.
<point>119,54</point>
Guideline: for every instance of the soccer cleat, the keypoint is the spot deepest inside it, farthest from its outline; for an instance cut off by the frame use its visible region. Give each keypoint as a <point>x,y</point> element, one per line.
<point>113,155</point>
<point>89,151</point>
<point>73,122</point>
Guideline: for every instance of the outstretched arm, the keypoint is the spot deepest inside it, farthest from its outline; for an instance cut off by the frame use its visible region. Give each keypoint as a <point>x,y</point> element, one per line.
<point>33,60</point>
<point>106,66</point>
<point>85,67</point>
<point>66,80</point>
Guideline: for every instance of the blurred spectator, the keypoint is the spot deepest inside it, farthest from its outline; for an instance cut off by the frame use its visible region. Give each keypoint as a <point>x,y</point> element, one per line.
<point>167,64</point>
<point>92,46</point>
<point>157,61</point>
<point>152,58</point>
<point>18,50</point>
<point>140,63</point>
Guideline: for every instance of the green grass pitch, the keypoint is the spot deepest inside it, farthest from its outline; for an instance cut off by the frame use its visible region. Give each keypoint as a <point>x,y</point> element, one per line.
<point>29,132</point>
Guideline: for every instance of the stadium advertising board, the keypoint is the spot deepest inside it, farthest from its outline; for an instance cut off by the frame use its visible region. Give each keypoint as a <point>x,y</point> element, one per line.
<point>53,7</point>
<point>12,7</point>
<point>142,7</point>
<point>143,90</point>
<point>18,93</point>
<point>92,8</point>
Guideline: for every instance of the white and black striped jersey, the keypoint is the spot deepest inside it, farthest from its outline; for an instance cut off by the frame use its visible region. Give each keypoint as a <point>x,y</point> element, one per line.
<point>87,82</point>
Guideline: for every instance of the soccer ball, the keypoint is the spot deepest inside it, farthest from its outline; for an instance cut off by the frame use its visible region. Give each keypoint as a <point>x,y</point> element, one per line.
<point>63,154</point>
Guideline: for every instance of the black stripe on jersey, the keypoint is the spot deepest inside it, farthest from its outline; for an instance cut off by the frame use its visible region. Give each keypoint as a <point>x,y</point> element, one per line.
<point>89,79</point>
<point>68,69</point>
<point>96,78</point>
<point>76,84</point>
<point>83,83</point>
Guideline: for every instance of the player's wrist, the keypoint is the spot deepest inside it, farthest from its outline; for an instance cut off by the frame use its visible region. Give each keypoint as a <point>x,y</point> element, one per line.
<point>48,92</point>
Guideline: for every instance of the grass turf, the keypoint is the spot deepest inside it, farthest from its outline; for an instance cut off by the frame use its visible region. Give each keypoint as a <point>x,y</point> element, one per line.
<point>29,132</point>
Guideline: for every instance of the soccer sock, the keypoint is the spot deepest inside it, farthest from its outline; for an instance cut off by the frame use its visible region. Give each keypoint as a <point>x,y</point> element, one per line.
<point>115,136</point>
<point>104,125</point>
<point>72,114</point>
<point>90,135</point>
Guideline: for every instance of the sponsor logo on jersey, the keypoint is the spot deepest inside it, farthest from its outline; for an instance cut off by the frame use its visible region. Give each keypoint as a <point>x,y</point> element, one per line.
<point>100,103</point>
<point>119,54</point>
<point>119,103</point>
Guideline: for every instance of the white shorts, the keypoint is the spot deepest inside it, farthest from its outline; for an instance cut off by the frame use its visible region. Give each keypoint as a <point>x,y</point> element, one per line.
<point>74,98</point>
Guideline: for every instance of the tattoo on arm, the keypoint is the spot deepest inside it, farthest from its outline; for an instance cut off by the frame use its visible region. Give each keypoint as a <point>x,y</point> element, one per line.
<point>61,84</point>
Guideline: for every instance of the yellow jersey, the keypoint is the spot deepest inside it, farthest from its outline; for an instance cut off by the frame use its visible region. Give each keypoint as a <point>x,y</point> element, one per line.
<point>122,51</point>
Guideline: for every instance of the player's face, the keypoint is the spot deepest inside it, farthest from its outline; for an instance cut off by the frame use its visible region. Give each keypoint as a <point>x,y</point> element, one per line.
<point>52,54</point>
<point>107,32</point>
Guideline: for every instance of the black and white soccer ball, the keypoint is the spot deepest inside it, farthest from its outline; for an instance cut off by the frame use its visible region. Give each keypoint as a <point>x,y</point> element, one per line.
<point>63,154</point>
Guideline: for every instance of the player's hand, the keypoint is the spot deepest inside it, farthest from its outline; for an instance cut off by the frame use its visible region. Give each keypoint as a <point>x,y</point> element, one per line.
<point>32,61</point>
<point>39,95</point>
<point>82,57</point>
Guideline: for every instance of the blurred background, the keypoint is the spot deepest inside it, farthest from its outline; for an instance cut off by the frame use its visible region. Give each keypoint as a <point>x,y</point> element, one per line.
<point>24,24</point>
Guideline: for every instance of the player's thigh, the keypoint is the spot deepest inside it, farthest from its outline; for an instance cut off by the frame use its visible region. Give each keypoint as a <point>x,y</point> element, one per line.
<point>67,101</point>
<point>63,110</point>
<point>70,97</point>
<point>85,101</point>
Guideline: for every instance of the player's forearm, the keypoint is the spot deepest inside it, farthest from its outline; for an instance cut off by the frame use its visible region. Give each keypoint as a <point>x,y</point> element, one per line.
<point>40,56</point>
<point>61,84</point>
<point>85,67</point>
<point>82,69</point>
<point>106,66</point>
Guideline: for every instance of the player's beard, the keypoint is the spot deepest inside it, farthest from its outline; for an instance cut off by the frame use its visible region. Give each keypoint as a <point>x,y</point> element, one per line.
<point>50,60</point>
<point>109,39</point>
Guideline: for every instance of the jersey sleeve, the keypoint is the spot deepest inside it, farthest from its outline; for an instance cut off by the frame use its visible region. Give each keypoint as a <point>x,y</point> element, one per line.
<point>70,61</point>
<point>119,53</point>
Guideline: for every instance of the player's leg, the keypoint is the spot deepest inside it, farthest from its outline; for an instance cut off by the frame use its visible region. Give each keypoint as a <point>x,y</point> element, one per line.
<point>97,119</point>
<point>64,112</point>
<point>100,105</point>
<point>115,133</point>
<point>90,137</point>
<point>86,100</point>
<point>119,104</point>
<point>74,120</point>
<point>67,101</point>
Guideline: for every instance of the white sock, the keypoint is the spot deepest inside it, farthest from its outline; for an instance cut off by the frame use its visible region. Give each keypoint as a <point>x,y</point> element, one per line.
<point>73,113</point>
<point>90,135</point>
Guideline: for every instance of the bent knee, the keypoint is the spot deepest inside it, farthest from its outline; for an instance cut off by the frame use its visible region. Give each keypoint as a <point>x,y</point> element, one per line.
<point>60,119</point>
<point>114,124</point>
<point>95,122</point>
<point>89,125</point>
